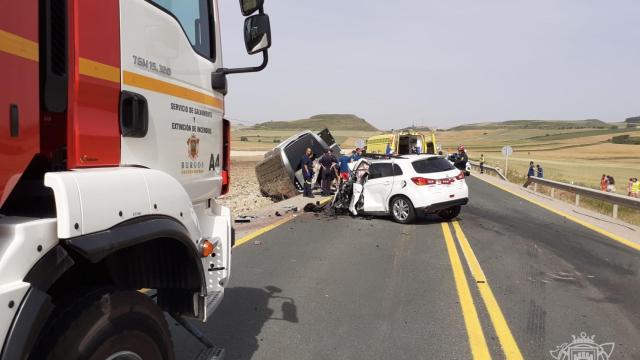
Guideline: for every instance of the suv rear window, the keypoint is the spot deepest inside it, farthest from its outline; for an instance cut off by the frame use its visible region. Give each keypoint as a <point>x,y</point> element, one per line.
<point>432,165</point>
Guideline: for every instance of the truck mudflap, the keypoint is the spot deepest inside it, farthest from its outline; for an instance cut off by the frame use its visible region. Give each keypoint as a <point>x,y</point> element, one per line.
<point>213,353</point>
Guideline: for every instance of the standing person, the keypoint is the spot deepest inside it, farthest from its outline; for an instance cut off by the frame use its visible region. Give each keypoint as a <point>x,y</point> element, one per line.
<point>306,164</point>
<point>611,184</point>
<point>603,183</point>
<point>344,161</point>
<point>461,159</point>
<point>635,188</point>
<point>539,171</point>
<point>629,187</point>
<point>358,154</point>
<point>481,163</point>
<point>327,162</point>
<point>532,170</point>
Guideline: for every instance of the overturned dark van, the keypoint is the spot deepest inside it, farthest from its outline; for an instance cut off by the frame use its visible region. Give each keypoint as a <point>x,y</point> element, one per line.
<point>279,174</point>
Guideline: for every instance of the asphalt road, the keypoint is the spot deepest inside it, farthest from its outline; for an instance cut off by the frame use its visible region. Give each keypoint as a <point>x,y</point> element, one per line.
<point>350,288</point>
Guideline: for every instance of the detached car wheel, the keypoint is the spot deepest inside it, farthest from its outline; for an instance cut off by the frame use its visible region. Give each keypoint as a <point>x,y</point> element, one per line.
<point>450,213</point>
<point>107,324</point>
<point>402,210</point>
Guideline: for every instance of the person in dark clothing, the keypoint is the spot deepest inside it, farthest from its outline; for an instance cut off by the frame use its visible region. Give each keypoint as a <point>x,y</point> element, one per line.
<point>356,154</point>
<point>539,171</point>
<point>532,170</point>
<point>462,159</point>
<point>306,164</point>
<point>611,184</point>
<point>481,163</point>
<point>327,163</point>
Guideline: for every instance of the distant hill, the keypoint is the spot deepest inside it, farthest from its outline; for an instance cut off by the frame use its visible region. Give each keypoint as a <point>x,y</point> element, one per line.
<point>633,120</point>
<point>319,122</point>
<point>537,124</point>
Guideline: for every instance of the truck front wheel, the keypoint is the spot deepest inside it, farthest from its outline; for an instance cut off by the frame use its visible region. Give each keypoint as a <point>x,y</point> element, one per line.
<point>107,324</point>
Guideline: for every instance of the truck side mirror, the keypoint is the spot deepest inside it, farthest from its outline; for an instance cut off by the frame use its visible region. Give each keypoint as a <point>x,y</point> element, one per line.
<point>257,33</point>
<point>248,7</point>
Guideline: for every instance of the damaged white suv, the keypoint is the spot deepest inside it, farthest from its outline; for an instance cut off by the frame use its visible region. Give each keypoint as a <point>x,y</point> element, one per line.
<point>402,186</point>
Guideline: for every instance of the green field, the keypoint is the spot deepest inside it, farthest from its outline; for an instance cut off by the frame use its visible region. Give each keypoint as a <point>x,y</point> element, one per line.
<point>333,122</point>
<point>268,139</point>
<point>346,129</point>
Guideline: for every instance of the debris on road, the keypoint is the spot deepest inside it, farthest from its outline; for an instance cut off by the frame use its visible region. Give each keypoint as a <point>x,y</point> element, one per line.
<point>243,219</point>
<point>314,208</point>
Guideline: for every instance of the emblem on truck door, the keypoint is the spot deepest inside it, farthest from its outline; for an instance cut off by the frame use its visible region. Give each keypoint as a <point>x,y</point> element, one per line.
<point>193,144</point>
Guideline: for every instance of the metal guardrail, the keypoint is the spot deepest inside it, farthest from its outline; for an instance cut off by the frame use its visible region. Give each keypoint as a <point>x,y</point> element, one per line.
<point>613,198</point>
<point>487,168</point>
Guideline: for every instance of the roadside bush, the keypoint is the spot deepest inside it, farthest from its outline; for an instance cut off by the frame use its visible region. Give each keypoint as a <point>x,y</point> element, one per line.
<point>244,138</point>
<point>625,139</point>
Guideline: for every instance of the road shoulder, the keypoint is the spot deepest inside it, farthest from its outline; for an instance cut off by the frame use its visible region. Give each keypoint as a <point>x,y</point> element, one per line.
<point>614,229</point>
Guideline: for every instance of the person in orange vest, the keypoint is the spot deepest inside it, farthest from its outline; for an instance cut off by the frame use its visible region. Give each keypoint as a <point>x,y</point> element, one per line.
<point>603,183</point>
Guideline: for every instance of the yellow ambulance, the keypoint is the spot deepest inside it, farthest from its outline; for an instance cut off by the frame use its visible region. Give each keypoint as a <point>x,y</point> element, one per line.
<point>402,143</point>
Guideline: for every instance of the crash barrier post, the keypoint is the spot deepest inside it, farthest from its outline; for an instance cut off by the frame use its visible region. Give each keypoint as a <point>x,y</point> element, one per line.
<point>581,191</point>
<point>487,168</point>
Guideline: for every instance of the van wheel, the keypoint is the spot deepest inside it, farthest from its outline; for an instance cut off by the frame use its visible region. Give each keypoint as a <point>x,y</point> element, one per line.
<point>450,213</point>
<point>108,324</point>
<point>402,210</point>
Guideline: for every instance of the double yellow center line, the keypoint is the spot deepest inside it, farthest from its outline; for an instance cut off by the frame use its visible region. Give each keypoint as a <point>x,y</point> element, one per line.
<point>477,341</point>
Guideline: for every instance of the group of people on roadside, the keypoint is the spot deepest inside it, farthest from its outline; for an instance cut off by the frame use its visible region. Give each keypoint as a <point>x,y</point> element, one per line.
<point>327,167</point>
<point>608,184</point>
<point>535,170</point>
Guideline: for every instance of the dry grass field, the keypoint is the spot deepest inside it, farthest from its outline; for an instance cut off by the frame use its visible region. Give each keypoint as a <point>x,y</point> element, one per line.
<point>579,159</point>
<point>575,156</point>
<point>268,139</point>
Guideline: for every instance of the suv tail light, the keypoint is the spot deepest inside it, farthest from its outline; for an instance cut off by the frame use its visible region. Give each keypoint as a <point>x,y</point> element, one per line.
<point>226,155</point>
<point>423,181</point>
<point>460,176</point>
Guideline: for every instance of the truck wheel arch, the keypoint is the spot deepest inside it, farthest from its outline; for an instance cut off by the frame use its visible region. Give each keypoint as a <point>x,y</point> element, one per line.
<point>106,250</point>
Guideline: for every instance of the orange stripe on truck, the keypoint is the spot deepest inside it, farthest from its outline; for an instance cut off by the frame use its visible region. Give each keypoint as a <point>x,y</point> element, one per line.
<point>99,70</point>
<point>149,83</point>
<point>18,46</point>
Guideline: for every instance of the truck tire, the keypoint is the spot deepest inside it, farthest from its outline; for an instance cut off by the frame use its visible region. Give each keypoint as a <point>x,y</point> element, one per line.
<point>450,213</point>
<point>107,324</point>
<point>402,210</point>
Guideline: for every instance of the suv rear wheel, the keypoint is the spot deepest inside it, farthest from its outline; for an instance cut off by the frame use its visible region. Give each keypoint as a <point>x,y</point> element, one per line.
<point>450,213</point>
<point>402,210</point>
<point>108,324</point>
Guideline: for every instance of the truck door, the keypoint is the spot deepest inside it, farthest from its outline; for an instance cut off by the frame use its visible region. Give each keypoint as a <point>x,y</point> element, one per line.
<point>19,92</point>
<point>378,187</point>
<point>171,119</point>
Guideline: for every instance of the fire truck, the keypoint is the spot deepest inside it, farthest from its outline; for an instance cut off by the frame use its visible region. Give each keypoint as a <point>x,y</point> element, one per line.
<point>113,150</point>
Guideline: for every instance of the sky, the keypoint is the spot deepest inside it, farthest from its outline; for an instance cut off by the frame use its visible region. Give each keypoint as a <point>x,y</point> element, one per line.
<point>439,63</point>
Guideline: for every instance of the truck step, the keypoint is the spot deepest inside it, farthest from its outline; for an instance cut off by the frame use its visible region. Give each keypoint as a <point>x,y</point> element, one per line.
<point>212,353</point>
